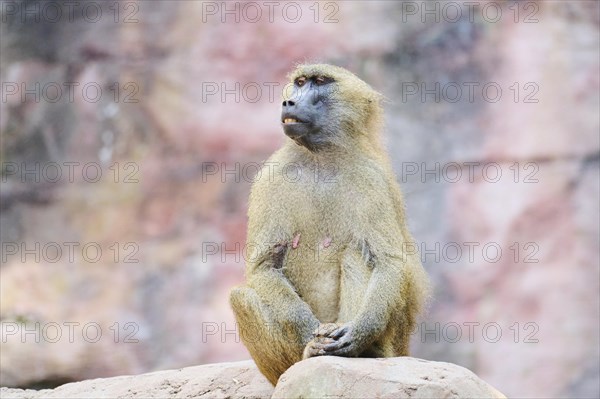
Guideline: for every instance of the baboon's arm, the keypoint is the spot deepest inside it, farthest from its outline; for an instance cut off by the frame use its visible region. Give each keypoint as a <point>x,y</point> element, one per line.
<point>275,290</point>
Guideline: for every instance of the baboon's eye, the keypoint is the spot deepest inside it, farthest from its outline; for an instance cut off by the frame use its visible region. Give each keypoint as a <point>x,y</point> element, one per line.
<point>320,80</point>
<point>300,81</point>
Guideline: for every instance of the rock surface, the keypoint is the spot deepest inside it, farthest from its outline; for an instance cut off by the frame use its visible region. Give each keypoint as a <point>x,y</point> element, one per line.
<point>227,380</point>
<point>401,377</point>
<point>322,377</point>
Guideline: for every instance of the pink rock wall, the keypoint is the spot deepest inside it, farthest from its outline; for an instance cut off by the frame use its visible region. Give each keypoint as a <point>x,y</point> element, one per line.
<point>177,160</point>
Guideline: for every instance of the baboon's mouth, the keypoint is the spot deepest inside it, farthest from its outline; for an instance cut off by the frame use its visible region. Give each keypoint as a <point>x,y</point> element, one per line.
<point>288,119</point>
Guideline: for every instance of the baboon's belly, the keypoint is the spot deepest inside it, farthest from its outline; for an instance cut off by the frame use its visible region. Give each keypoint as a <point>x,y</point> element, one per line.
<point>316,275</point>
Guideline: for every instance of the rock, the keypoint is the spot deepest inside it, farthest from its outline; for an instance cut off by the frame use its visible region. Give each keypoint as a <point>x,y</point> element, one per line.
<point>400,377</point>
<point>320,377</point>
<point>13,393</point>
<point>231,380</point>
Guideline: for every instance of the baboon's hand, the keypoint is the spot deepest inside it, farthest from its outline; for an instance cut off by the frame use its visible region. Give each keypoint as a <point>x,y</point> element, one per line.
<point>321,338</point>
<point>315,347</point>
<point>345,342</point>
<point>324,330</point>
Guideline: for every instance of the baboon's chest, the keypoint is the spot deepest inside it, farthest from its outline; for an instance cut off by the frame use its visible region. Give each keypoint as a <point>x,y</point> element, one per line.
<point>315,260</point>
<point>313,266</point>
<point>323,227</point>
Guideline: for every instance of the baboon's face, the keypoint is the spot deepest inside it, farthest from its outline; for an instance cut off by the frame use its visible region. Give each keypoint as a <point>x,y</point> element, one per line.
<point>306,111</point>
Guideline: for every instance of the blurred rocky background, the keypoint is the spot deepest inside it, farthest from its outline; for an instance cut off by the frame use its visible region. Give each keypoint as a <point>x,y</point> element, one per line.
<point>131,132</point>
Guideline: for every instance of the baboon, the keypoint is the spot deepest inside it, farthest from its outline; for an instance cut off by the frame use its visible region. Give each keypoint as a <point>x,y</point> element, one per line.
<point>331,270</point>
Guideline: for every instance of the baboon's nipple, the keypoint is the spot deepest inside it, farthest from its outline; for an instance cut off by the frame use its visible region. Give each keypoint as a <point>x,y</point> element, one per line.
<point>296,241</point>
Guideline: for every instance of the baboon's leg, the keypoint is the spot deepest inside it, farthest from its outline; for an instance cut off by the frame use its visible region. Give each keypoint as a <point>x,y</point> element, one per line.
<point>275,331</point>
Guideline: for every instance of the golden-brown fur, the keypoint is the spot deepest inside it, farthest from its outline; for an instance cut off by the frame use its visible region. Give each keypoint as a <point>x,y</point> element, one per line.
<point>330,243</point>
